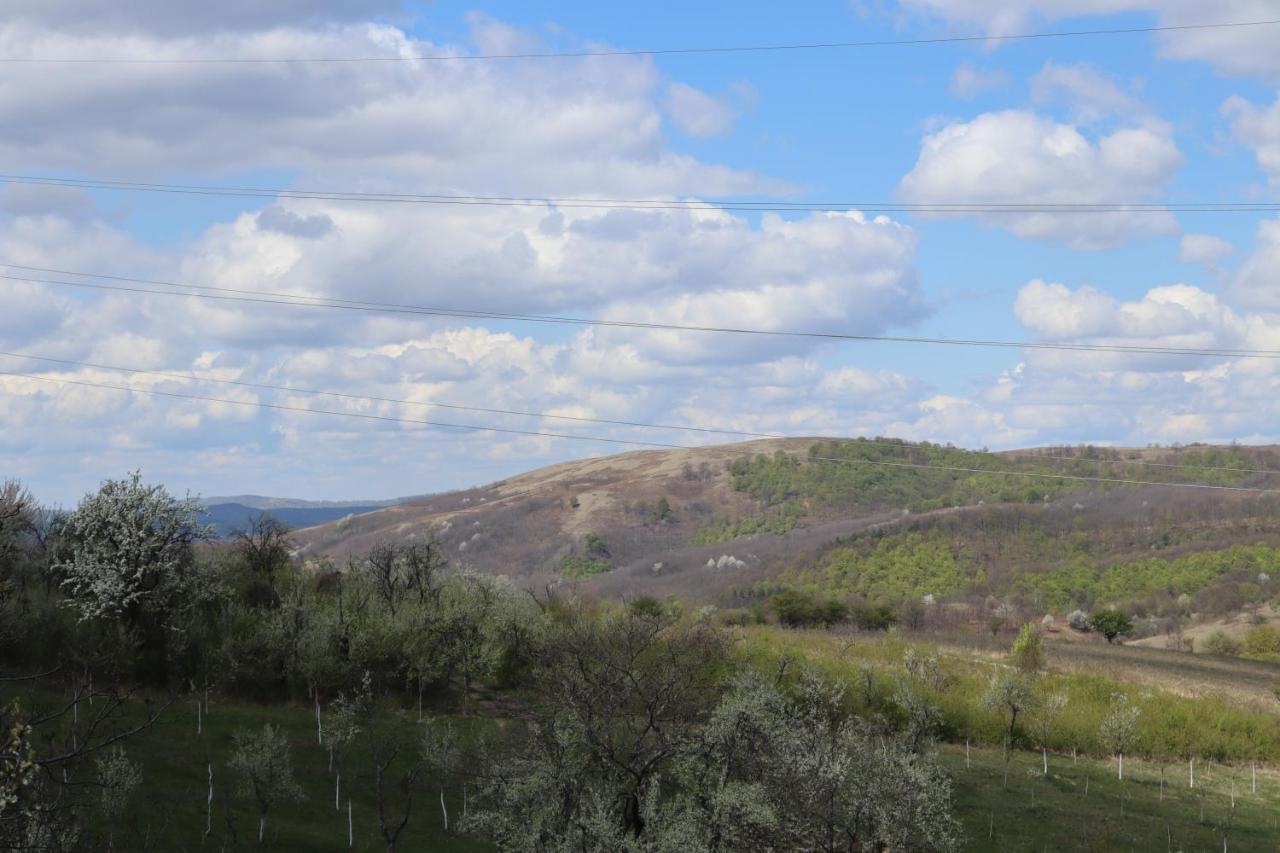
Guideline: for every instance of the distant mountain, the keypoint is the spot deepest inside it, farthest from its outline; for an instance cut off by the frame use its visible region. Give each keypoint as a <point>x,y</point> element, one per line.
<point>229,515</point>
<point>264,502</point>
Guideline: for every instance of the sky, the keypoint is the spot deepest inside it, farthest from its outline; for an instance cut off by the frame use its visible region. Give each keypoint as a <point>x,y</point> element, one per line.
<point>1175,116</point>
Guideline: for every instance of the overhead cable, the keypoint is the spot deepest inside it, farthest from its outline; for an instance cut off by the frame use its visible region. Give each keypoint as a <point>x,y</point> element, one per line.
<point>225,294</point>
<point>669,51</point>
<point>653,445</point>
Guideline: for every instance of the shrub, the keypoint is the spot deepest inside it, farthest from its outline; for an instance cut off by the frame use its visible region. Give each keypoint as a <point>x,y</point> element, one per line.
<point>1079,620</point>
<point>1219,643</point>
<point>1028,649</point>
<point>572,566</point>
<point>1263,642</point>
<point>1112,624</point>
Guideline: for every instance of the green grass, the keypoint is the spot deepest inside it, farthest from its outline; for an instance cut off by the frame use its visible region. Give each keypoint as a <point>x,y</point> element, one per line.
<point>172,801</point>
<point>1035,813</point>
<point>1030,813</point>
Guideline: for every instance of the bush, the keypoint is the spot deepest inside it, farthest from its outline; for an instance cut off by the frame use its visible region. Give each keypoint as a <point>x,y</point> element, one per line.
<point>572,566</point>
<point>1112,624</point>
<point>1219,643</point>
<point>1028,649</point>
<point>1263,642</point>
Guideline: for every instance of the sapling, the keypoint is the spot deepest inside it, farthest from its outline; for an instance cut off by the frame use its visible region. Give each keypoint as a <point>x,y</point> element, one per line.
<point>440,751</point>
<point>1119,728</point>
<point>262,760</point>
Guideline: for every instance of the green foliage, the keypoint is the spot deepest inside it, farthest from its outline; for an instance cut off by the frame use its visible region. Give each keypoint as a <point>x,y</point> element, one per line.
<point>1262,642</point>
<point>575,566</point>
<point>1028,649</point>
<point>798,609</point>
<point>774,523</point>
<point>908,566</point>
<point>1186,574</point>
<point>648,750</point>
<point>1221,643</point>
<point>1112,624</point>
<point>846,484</point>
<point>594,545</point>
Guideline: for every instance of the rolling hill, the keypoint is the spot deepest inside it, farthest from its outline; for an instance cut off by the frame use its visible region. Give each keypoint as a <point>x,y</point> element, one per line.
<point>877,519</point>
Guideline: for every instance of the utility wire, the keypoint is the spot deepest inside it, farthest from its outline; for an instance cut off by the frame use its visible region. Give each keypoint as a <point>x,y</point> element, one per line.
<point>190,377</point>
<point>275,298</point>
<point>619,441</point>
<point>671,51</point>
<point>735,205</point>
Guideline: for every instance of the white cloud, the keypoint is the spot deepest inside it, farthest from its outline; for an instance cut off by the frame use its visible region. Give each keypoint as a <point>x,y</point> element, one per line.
<point>968,81</point>
<point>1020,157</point>
<point>1204,249</point>
<point>171,17</point>
<point>1090,94</point>
<point>1256,282</point>
<point>697,113</point>
<point>1231,50</point>
<point>1258,128</point>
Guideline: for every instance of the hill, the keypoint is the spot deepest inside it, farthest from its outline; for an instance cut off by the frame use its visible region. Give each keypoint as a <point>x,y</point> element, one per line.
<point>881,520</point>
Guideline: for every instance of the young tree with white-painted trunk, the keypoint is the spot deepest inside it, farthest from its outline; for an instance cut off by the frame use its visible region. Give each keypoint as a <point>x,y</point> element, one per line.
<point>119,778</point>
<point>266,771</point>
<point>442,754</point>
<point>1119,729</point>
<point>1044,720</point>
<point>342,726</point>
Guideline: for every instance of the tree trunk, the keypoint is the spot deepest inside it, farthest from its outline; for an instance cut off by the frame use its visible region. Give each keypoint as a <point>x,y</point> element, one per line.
<point>337,787</point>
<point>262,828</point>
<point>444,811</point>
<point>319,728</point>
<point>1044,754</point>
<point>1192,765</point>
<point>351,838</point>
<point>1120,773</point>
<point>208,813</point>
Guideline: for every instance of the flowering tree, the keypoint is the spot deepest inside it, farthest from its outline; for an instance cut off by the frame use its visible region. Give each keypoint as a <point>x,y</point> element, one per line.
<point>1119,728</point>
<point>131,549</point>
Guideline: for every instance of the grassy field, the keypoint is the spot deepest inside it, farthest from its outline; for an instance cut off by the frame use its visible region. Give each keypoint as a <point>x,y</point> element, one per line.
<point>171,806</point>
<point>1034,813</point>
<point>1079,806</point>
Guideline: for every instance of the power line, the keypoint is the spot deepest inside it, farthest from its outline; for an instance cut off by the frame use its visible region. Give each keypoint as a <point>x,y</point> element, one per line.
<point>671,51</point>
<point>655,445</point>
<point>227,294</point>
<point>670,204</point>
<point>190,377</point>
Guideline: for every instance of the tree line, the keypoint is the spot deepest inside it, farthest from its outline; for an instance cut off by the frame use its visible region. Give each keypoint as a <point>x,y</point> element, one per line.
<point>623,727</point>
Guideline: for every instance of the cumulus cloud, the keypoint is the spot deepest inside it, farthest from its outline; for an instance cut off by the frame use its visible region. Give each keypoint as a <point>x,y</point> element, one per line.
<point>1204,249</point>
<point>1232,50</point>
<point>175,17</point>
<point>1256,282</point>
<point>969,81</point>
<point>1258,128</point>
<point>1016,156</point>
<point>697,113</point>
<point>1088,93</point>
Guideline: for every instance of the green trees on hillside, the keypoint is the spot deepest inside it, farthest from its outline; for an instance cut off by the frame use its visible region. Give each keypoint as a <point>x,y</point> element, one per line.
<point>639,744</point>
<point>1111,624</point>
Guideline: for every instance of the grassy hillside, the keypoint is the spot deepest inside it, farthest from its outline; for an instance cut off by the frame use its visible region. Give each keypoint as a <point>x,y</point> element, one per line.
<point>779,506</point>
<point>1080,805</point>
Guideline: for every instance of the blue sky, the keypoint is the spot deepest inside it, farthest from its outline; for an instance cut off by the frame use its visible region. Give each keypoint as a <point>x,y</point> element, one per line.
<point>1181,116</point>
